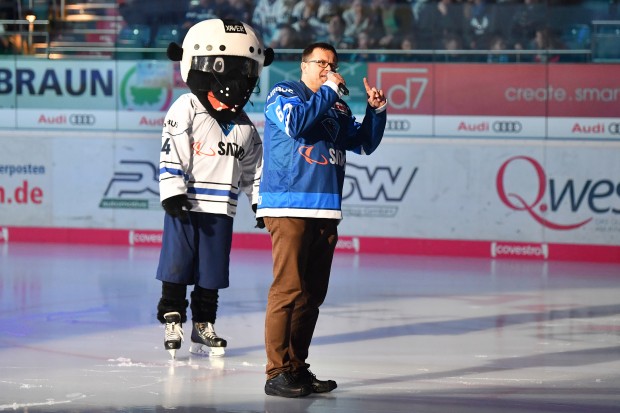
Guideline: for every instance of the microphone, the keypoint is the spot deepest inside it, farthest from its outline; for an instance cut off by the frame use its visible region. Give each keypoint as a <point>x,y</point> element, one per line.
<point>342,88</point>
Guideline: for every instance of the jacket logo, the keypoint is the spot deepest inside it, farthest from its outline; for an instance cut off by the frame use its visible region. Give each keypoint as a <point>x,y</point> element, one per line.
<point>226,128</point>
<point>197,147</point>
<point>332,128</point>
<point>306,152</point>
<point>340,107</point>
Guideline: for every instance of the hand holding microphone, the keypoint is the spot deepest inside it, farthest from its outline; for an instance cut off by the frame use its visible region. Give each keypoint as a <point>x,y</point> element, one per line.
<point>339,80</point>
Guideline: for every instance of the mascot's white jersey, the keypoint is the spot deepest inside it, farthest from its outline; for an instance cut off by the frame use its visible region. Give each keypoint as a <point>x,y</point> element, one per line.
<point>209,162</point>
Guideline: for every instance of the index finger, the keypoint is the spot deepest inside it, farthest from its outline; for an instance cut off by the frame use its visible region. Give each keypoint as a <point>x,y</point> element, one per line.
<point>367,86</point>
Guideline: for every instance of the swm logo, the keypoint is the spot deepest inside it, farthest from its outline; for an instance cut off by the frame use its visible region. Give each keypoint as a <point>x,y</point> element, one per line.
<point>379,182</point>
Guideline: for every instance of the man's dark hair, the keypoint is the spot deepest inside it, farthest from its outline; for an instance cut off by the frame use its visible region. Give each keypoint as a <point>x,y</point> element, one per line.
<point>319,45</point>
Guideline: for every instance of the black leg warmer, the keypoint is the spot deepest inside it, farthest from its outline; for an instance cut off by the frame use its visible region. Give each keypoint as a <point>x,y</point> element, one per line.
<point>172,299</point>
<point>204,305</point>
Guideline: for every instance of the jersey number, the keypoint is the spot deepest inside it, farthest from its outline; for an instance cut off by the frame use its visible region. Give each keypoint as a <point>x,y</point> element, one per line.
<point>279,114</point>
<point>166,146</point>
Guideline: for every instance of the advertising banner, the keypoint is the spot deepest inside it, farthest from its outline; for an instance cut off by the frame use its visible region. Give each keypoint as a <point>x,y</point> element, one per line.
<point>146,89</point>
<point>580,128</point>
<point>482,190</point>
<point>9,118</point>
<point>26,180</point>
<point>118,186</point>
<point>72,119</point>
<point>60,84</point>
<point>527,90</point>
<point>512,197</point>
<point>501,101</point>
<point>567,101</point>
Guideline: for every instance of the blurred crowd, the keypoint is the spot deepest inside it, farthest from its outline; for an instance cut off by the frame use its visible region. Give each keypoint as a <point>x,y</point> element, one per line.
<point>366,30</point>
<point>381,25</point>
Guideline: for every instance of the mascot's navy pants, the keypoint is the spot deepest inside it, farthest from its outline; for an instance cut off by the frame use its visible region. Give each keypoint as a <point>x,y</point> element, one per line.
<point>196,250</point>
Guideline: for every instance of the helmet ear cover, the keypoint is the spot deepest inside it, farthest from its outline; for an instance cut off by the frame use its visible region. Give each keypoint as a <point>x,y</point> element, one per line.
<point>269,56</point>
<point>174,52</point>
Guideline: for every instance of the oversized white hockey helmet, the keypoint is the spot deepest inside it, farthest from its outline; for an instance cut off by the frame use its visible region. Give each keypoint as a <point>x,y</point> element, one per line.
<point>216,37</point>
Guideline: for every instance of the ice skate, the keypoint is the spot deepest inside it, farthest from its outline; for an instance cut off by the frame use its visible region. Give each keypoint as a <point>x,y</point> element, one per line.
<point>206,342</point>
<point>174,333</point>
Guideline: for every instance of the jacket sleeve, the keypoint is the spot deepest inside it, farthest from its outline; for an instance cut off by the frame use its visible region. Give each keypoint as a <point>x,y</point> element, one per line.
<point>175,153</point>
<point>369,133</point>
<point>292,113</point>
<point>252,168</point>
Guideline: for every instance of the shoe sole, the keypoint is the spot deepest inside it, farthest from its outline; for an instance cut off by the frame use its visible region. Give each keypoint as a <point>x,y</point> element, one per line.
<point>319,390</point>
<point>303,393</point>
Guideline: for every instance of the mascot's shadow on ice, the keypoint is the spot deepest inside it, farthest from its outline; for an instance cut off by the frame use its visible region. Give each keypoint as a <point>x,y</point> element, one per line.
<point>220,61</point>
<point>220,67</point>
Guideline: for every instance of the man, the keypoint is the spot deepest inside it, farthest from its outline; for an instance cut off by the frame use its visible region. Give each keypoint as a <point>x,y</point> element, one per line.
<point>308,130</point>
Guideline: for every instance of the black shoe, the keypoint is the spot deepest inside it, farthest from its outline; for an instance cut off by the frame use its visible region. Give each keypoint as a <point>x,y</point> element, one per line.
<point>285,385</point>
<point>318,386</point>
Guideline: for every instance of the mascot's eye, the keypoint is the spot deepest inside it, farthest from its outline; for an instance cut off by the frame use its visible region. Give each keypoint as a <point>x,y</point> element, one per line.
<point>226,64</point>
<point>213,64</point>
<point>218,65</point>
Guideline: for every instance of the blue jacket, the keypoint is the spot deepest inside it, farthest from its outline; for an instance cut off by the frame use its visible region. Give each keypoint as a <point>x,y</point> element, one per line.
<point>304,149</point>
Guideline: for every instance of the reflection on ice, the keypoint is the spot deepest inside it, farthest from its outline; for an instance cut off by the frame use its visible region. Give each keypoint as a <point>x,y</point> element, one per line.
<point>398,334</point>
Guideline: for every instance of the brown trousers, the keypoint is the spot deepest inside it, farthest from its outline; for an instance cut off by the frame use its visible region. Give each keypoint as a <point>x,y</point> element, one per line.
<point>302,249</point>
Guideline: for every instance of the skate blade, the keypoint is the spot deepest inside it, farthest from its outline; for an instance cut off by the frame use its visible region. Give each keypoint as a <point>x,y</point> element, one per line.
<point>173,353</point>
<point>206,351</point>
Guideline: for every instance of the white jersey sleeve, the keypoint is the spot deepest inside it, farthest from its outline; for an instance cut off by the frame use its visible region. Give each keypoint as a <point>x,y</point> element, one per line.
<point>176,148</point>
<point>252,167</point>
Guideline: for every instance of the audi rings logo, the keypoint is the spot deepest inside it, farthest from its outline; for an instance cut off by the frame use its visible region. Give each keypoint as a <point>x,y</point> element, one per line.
<point>82,119</point>
<point>614,128</point>
<point>507,126</point>
<point>398,125</point>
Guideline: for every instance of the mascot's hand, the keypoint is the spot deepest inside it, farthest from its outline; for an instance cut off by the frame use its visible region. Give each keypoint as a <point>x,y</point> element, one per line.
<point>260,223</point>
<point>177,206</point>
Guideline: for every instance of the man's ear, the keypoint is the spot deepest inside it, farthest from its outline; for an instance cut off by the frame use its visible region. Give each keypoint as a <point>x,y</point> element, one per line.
<point>175,52</point>
<point>269,56</point>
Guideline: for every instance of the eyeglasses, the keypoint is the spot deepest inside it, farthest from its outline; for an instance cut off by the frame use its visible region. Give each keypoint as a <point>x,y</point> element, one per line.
<point>323,64</point>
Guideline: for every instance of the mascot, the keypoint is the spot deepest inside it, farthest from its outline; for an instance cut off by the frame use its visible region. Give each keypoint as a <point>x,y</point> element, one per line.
<point>210,153</point>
